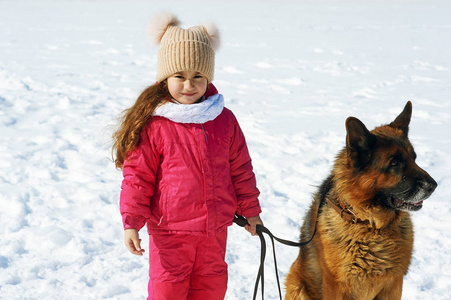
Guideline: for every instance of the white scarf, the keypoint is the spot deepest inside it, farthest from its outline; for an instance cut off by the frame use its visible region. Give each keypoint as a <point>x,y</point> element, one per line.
<point>197,113</point>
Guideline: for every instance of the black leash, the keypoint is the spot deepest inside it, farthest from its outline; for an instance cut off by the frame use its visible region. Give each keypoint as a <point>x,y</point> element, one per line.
<point>324,189</point>
<point>241,221</point>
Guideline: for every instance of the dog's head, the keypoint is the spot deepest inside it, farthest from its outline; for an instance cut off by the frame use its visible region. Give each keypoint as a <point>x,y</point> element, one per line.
<point>386,159</point>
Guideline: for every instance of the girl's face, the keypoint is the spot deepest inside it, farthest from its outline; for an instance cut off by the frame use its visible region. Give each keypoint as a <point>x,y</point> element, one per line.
<point>187,87</point>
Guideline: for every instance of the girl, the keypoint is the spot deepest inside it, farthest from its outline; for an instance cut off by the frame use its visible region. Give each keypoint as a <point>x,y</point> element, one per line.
<point>186,168</point>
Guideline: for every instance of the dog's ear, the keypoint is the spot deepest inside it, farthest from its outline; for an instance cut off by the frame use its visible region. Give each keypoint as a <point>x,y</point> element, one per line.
<point>359,142</point>
<point>403,120</point>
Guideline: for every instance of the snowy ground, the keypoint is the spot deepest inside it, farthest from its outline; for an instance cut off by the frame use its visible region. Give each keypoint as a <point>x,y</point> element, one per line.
<point>292,71</point>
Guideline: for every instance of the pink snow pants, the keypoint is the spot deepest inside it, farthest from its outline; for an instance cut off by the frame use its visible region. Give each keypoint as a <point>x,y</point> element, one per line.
<point>187,267</point>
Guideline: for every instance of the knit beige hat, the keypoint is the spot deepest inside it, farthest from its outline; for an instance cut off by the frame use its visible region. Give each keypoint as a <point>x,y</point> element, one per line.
<point>181,49</point>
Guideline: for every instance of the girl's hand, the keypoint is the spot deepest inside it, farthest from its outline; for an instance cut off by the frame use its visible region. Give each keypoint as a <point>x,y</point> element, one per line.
<point>133,242</point>
<point>252,226</point>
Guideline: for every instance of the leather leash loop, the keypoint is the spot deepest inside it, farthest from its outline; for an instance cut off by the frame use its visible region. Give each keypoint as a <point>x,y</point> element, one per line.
<point>241,221</point>
<point>260,230</point>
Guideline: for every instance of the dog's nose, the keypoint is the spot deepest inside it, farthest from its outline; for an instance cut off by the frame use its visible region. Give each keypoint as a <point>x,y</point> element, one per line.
<point>429,185</point>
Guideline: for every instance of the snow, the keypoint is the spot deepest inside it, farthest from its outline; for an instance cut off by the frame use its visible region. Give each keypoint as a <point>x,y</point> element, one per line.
<point>292,72</point>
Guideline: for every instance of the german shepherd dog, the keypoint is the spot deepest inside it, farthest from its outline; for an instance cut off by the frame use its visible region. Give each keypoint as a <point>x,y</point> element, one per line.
<point>364,235</point>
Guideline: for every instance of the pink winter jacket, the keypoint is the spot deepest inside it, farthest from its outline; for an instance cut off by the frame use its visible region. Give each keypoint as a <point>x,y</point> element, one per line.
<point>188,178</point>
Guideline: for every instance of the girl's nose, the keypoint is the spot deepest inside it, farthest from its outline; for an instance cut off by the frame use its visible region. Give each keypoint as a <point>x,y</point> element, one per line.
<point>188,84</point>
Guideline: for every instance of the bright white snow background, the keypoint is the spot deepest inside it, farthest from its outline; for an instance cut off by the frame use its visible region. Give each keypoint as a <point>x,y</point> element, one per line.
<point>292,72</point>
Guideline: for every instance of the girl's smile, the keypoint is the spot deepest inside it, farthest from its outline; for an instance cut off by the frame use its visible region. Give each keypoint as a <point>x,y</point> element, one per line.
<point>187,87</point>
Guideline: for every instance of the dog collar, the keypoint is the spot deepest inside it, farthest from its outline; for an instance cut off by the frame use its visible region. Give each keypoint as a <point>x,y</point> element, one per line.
<point>346,214</point>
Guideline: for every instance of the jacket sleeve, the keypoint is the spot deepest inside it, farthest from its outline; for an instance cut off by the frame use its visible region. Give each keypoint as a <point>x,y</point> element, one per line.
<point>243,177</point>
<point>139,171</point>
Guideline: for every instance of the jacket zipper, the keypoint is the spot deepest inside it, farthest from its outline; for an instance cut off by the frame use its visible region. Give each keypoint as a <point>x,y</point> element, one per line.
<point>206,138</point>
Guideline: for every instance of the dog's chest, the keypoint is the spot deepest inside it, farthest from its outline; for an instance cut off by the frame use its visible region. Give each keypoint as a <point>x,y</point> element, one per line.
<point>369,256</point>
<point>360,252</point>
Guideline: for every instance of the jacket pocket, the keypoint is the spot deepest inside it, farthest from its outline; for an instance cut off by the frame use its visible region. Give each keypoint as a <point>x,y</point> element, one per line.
<point>163,210</point>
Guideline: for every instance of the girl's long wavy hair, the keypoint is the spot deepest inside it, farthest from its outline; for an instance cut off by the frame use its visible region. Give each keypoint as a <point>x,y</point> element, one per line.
<point>133,120</point>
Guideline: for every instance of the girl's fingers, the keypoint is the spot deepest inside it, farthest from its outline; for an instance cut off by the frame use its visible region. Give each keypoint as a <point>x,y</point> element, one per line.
<point>137,244</point>
<point>250,229</point>
<point>135,247</point>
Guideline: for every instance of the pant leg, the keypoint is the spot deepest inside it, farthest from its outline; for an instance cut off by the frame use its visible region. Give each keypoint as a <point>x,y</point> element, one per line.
<point>209,278</point>
<point>208,287</point>
<point>168,290</point>
<point>171,261</point>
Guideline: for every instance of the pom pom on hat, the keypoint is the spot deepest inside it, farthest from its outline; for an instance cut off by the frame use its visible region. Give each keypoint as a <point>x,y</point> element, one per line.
<point>213,34</point>
<point>158,26</point>
<point>181,49</point>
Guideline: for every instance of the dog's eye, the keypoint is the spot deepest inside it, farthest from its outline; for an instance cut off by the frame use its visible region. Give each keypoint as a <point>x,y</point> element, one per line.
<point>394,162</point>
